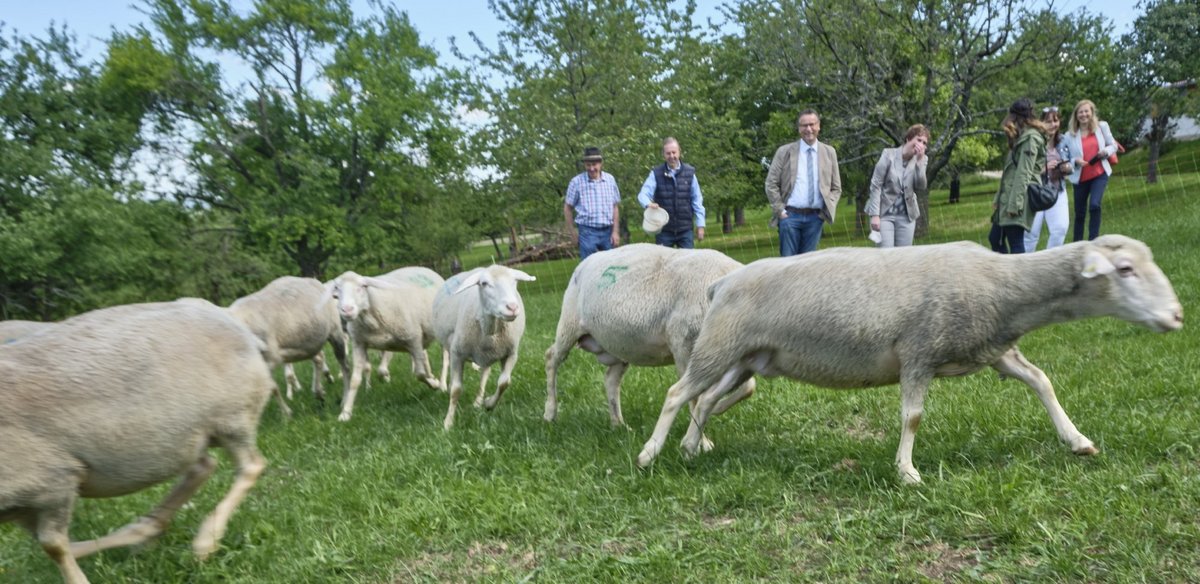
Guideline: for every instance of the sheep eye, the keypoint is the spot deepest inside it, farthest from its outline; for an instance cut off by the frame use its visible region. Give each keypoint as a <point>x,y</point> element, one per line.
<point>1125,271</point>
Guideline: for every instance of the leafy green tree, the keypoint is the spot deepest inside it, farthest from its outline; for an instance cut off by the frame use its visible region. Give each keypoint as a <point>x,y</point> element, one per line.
<point>327,137</point>
<point>1162,60</point>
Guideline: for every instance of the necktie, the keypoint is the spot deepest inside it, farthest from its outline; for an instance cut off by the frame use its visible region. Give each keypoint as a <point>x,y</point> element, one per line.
<point>812,182</point>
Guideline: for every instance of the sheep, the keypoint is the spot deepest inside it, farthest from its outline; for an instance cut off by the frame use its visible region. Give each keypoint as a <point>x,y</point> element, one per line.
<point>392,312</point>
<point>638,304</point>
<point>116,400</point>
<point>851,318</point>
<point>482,328</point>
<point>11,330</point>
<point>295,319</point>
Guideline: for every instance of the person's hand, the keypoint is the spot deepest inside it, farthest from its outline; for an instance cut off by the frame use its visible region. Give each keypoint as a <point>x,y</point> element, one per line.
<point>1066,168</point>
<point>1097,158</point>
<point>783,214</point>
<point>652,205</point>
<point>918,149</point>
<point>700,233</point>
<point>875,223</point>
<point>616,238</point>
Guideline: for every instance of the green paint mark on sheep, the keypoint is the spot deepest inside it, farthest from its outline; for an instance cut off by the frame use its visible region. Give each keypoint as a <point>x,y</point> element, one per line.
<point>609,276</point>
<point>421,280</point>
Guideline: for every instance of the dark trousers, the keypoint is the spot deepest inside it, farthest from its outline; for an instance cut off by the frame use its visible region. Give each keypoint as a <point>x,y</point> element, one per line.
<point>799,233</point>
<point>682,240</point>
<point>1088,195</point>
<point>1007,239</point>
<point>593,239</point>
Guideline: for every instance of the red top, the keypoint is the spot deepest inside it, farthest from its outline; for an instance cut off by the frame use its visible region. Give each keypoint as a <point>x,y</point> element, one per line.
<point>1090,148</point>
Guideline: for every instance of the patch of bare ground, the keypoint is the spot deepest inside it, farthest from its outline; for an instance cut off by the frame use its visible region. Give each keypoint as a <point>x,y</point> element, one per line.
<point>481,561</point>
<point>947,562</point>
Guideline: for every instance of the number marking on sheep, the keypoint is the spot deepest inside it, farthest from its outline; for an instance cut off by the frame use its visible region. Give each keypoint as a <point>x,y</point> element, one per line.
<point>609,276</point>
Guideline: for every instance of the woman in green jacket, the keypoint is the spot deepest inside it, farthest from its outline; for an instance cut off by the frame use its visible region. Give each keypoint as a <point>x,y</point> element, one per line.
<point>1011,215</point>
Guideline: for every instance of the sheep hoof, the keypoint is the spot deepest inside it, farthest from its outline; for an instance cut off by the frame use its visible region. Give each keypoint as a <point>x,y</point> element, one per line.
<point>344,417</point>
<point>448,425</point>
<point>550,414</point>
<point>706,445</point>
<point>910,476</point>
<point>645,458</point>
<point>1086,450</point>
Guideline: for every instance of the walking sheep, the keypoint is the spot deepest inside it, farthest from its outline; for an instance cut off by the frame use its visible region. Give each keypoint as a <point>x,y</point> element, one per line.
<point>295,319</point>
<point>639,304</point>
<point>952,309</point>
<point>113,401</point>
<point>393,312</point>
<point>11,330</point>
<point>483,328</point>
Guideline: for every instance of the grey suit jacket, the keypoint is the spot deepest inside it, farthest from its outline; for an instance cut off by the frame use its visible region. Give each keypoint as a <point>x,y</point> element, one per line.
<point>782,177</point>
<point>891,180</point>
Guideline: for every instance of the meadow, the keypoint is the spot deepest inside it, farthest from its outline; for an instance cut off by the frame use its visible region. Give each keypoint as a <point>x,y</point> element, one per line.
<point>801,486</point>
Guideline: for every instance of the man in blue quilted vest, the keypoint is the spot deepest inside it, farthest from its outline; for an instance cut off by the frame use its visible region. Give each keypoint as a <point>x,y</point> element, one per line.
<point>672,186</point>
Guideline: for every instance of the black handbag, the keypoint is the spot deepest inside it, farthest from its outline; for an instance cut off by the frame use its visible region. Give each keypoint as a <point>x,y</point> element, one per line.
<point>1041,195</point>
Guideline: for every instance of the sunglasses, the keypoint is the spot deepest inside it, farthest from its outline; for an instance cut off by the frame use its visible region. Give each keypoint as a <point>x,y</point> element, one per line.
<point>1052,108</point>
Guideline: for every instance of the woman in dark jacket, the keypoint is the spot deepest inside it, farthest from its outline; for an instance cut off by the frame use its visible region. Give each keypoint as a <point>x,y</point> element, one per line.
<point>1011,215</point>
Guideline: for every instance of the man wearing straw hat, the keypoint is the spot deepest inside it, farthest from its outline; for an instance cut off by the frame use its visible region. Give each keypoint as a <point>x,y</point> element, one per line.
<point>591,206</point>
<point>672,187</point>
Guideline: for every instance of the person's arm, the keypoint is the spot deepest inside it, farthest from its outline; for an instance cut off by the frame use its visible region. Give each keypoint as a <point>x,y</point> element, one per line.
<point>772,186</point>
<point>872,209</point>
<point>569,219</point>
<point>835,181</point>
<point>616,226</point>
<point>698,213</point>
<point>1110,145</point>
<point>646,195</point>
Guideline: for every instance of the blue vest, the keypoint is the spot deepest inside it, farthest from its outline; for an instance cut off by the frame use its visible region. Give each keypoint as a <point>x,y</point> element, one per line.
<point>675,195</point>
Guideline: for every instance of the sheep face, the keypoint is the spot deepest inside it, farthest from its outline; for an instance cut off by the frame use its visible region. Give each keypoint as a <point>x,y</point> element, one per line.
<point>498,296</point>
<point>1138,290</point>
<point>350,291</point>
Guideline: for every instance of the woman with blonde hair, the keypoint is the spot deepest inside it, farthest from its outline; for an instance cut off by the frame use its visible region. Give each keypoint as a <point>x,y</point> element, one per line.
<point>1011,214</point>
<point>1089,143</point>
<point>1058,167</point>
<point>898,176</point>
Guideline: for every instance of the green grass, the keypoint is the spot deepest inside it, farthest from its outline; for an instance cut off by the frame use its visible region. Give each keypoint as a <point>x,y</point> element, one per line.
<point>801,486</point>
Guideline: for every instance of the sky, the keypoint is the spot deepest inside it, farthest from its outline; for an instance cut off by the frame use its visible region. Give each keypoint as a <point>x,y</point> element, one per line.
<point>436,20</point>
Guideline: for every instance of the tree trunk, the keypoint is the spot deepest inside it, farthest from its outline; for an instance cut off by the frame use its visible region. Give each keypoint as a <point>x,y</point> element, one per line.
<point>512,241</point>
<point>739,216</point>
<point>1158,134</point>
<point>496,245</point>
<point>726,222</point>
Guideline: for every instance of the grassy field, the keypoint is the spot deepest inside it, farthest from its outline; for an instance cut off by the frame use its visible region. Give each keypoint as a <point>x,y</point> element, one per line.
<point>801,485</point>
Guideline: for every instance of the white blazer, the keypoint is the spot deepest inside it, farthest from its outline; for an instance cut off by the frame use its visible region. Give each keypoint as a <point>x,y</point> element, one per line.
<point>1104,139</point>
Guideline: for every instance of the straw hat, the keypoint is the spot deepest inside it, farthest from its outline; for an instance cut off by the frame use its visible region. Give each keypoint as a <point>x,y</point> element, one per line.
<point>654,219</point>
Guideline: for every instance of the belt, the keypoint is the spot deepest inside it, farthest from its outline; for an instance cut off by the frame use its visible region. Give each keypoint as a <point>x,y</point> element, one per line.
<point>801,211</point>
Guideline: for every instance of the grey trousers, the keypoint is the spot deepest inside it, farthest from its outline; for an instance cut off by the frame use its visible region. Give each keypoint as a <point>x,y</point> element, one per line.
<point>896,231</point>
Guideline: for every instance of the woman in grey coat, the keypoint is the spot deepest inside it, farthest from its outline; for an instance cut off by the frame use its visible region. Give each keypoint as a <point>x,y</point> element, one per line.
<point>898,175</point>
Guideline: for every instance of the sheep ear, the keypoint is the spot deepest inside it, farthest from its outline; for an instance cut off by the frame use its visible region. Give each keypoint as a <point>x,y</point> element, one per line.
<point>1096,264</point>
<point>471,280</point>
<point>378,283</point>
<point>521,276</point>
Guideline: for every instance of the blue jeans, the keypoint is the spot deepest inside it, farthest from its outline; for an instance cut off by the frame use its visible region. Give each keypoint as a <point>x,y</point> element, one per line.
<point>1088,195</point>
<point>1013,235</point>
<point>799,233</point>
<point>682,240</point>
<point>593,239</point>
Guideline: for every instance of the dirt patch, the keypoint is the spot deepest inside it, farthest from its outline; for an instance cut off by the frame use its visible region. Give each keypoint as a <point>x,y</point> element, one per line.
<point>947,562</point>
<point>858,429</point>
<point>479,562</point>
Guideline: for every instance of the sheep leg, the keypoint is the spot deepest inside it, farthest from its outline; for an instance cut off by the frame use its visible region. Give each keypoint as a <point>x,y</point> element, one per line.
<point>250,465</point>
<point>51,532</point>
<point>360,364</point>
<point>502,383</point>
<point>289,377</point>
<point>684,391</point>
<point>338,342</point>
<point>420,364</point>
<point>445,368</point>
<point>385,363</point>
<point>283,407</point>
<point>612,388</point>
<point>456,368</point>
<point>318,362</point>
<point>1014,364</point>
<point>913,387</point>
<point>156,521</point>
<point>705,404</point>
<point>483,379</point>
<point>555,356</point>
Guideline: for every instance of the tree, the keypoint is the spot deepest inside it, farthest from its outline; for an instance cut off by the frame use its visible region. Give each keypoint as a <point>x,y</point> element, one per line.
<point>1163,58</point>
<point>340,141</point>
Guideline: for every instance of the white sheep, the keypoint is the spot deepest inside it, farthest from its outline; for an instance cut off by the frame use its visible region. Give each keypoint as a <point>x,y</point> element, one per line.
<point>14,329</point>
<point>638,304</point>
<point>393,312</point>
<point>295,318</point>
<point>850,318</point>
<point>116,400</point>
<point>483,328</point>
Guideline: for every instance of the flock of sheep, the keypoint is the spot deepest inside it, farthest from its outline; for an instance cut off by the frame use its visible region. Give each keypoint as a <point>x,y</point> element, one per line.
<point>118,399</point>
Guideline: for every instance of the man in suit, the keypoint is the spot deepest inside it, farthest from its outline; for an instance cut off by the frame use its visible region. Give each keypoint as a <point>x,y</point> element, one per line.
<point>803,187</point>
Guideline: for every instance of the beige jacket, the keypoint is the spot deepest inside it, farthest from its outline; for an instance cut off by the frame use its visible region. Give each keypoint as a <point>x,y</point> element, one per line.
<point>782,177</point>
<point>892,180</point>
